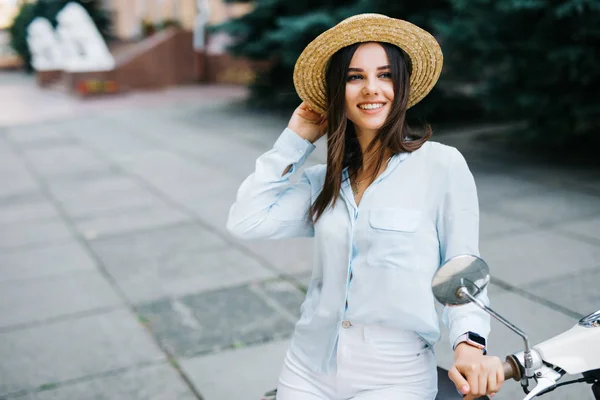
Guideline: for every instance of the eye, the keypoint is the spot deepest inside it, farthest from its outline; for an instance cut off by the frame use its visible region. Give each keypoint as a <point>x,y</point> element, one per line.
<point>353,77</point>
<point>386,75</point>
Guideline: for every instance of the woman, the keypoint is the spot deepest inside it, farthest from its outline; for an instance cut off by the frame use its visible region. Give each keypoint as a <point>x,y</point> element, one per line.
<point>385,211</point>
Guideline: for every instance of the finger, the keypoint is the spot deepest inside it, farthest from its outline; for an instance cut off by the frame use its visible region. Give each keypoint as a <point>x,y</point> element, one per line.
<point>482,382</point>
<point>500,376</point>
<point>307,115</point>
<point>492,382</point>
<point>459,380</point>
<point>473,378</point>
<point>313,112</point>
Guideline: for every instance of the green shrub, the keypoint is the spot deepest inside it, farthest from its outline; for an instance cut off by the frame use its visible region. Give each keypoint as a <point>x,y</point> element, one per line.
<point>534,61</point>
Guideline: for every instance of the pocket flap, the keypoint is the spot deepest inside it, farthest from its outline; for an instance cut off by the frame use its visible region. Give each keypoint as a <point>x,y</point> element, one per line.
<point>395,219</point>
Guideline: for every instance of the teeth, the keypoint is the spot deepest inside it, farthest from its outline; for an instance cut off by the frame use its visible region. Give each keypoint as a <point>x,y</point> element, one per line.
<point>370,106</point>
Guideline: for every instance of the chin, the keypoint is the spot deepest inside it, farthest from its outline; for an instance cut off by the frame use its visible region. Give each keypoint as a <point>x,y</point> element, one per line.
<point>369,126</point>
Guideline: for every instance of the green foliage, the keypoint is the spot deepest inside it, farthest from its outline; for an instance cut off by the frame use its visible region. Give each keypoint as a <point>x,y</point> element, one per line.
<point>18,32</point>
<point>532,60</point>
<point>49,9</point>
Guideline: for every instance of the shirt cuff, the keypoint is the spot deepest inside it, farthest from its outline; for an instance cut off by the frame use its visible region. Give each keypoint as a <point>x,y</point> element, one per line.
<point>292,146</point>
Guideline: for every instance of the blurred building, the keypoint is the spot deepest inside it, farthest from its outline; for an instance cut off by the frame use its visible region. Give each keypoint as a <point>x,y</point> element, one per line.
<point>133,20</point>
<point>129,15</point>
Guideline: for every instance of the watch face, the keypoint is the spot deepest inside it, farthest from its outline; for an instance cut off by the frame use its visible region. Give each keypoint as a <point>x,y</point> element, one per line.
<point>477,339</point>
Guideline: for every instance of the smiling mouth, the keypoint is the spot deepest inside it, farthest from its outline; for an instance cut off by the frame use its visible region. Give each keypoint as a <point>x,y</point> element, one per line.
<point>372,106</point>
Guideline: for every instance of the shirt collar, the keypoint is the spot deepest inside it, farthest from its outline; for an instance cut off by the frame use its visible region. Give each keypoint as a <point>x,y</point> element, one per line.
<point>396,159</point>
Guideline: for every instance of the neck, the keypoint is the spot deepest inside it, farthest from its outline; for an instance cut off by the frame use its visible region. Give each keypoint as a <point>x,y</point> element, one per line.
<point>365,137</point>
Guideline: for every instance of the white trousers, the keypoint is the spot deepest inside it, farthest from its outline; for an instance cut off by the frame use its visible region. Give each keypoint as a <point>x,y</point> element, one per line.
<point>373,362</point>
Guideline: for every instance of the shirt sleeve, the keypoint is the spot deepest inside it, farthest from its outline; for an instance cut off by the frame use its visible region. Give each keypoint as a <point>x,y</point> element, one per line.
<point>267,206</point>
<point>458,233</point>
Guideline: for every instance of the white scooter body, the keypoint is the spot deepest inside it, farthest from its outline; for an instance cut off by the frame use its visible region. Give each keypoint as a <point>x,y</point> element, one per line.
<point>575,351</point>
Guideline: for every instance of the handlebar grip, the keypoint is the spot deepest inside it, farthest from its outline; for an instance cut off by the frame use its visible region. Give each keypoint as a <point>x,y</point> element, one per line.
<point>512,368</point>
<point>508,370</point>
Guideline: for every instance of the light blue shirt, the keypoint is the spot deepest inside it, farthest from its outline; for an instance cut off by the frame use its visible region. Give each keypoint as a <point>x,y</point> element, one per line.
<point>419,212</point>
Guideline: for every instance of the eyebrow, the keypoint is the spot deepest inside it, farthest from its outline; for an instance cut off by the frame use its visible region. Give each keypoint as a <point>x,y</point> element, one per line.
<point>361,70</point>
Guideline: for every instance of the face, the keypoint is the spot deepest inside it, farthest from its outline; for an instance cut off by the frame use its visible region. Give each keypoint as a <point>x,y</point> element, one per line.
<point>369,88</point>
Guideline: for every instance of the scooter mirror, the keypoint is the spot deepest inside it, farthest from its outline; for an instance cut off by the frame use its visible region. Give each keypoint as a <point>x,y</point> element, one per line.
<point>460,271</point>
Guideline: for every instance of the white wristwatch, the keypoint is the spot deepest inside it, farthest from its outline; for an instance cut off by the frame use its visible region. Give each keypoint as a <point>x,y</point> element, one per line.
<point>472,339</point>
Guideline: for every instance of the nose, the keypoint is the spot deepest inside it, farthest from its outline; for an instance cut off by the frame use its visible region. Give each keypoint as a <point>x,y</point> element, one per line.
<point>370,87</point>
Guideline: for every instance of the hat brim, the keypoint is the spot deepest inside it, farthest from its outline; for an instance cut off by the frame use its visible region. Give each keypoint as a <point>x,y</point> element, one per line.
<point>422,48</point>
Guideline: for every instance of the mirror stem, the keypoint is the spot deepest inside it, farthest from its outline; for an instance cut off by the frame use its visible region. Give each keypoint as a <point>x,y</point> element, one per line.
<point>464,292</point>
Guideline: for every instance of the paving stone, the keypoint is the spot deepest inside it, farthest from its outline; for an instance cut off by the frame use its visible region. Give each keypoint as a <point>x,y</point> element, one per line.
<point>290,256</point>
<point>86,205</point>
<point>44,261</point>
<point>15,179</point>
<point>285,294</point>
<point>589,227</point>
<point>215,211</point>
<point>173,173</point>
<point>303,278</point>
<point>215,151</point>
<point>116,144</point>
<point>156,382</point>
<point>35,300</point>
<point>41,140</point>
<point>211,321</point>
<point>575,291</point>
<point>174,262</point>
<point>493,225</point>
<point>493,188</point>
<point>64,160</point>
<point>93,186</point>
<point>160,243</point>
<point>524,258</point>
<point>35,133</point>
<point>26,207</point>
<point>27,233</point>
<point>551,207</point>
<point>66,350</point>
<point>15,185</point>
<point>187,272</point>
<point>254,370</point>
<point>128,220</point>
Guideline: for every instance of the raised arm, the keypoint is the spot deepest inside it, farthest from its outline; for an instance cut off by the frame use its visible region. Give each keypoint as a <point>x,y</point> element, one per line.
<point>267,206</point>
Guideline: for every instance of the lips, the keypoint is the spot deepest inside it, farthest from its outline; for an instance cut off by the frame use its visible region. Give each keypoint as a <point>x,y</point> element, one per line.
<point>370,106</point>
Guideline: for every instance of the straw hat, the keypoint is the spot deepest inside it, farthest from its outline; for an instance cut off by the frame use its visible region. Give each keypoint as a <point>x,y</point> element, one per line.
<point>422,48</point>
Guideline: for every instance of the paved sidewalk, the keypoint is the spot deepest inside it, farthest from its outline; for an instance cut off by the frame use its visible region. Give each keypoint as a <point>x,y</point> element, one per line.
<point>118,280</point>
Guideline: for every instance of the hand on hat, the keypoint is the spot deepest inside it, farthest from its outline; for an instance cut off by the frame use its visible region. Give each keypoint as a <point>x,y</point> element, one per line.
<point>307,123</point>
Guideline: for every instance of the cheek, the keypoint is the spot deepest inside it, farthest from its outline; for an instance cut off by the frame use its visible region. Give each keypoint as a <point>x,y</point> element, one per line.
<point>351,94</point>
<point>389,91</point>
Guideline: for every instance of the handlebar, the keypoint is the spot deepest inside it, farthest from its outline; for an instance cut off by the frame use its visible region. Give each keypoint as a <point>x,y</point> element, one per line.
<point>512,369</point>
<point>508,370</point>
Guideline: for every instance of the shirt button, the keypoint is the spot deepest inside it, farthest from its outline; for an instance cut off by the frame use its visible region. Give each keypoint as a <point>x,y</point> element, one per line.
<point>346,324</point>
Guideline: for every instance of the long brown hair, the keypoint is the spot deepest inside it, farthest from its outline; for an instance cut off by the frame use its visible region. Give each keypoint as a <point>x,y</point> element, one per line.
<point>343,149</point>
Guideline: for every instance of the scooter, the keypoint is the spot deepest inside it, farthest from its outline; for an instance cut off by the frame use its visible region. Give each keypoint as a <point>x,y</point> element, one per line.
<point>577,351</point>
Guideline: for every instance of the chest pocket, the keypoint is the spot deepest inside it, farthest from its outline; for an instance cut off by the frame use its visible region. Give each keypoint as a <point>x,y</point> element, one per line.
<point>392,233</point>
